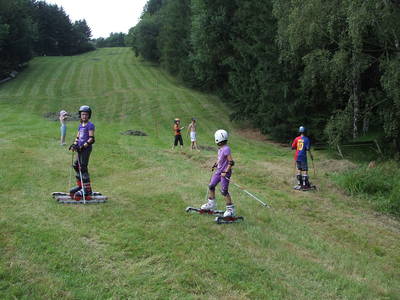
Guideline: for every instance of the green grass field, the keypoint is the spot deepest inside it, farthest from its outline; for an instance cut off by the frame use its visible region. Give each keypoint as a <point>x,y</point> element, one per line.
<point>142,244</point>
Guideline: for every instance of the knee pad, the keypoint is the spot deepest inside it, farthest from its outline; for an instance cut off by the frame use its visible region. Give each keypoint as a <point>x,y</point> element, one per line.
<point>76,167</point>
<point>224,193</point>
<point>211,187</point>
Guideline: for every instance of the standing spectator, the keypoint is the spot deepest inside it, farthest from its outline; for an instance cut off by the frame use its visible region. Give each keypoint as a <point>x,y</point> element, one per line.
<point>63,117</point>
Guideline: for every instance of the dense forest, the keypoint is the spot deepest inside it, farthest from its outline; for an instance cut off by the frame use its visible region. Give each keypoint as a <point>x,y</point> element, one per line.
<point>29,27</point>
<point>330,65</point>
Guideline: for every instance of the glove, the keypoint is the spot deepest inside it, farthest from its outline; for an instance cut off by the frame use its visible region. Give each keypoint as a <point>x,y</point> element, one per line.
<point>75,147</point>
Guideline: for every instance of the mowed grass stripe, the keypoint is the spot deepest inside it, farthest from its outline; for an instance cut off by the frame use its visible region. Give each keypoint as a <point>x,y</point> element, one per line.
<point>30,74</point>
<point>41,80</point>
<point>84,88</point>
<point>54,88</point>
<point>145,76</point>
<point>67,83</point>
<point>52,78</point>
<point>76,79</point>
<point>135,80</point>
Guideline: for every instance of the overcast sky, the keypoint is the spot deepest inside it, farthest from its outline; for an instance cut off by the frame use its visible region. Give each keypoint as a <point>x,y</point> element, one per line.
<point>104,16</point>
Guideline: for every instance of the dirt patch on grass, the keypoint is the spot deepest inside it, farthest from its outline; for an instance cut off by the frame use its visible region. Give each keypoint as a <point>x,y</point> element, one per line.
<point>208,148</point>
<point>253,134</point>
<point>134,132</point>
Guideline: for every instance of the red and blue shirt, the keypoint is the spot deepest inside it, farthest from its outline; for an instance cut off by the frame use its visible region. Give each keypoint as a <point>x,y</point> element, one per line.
<point>301,144</point>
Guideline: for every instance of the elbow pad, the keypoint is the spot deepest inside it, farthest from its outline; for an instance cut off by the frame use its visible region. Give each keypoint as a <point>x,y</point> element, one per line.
<point>92,141</point>
<point>231,163</point>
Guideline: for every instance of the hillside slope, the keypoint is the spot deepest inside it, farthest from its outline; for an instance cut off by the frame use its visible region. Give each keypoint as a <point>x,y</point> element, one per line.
<point>142,244</point>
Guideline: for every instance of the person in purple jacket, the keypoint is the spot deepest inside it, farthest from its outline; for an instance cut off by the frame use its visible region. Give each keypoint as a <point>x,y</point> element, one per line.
<point>222,174</point>
<point>83,146</point>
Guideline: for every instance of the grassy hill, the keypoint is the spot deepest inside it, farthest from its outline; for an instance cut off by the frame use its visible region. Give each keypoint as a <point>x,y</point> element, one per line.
<point>142,244</point>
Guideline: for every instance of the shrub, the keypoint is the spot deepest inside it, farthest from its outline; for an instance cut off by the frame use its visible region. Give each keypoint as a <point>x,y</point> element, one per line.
<point>379,185</point>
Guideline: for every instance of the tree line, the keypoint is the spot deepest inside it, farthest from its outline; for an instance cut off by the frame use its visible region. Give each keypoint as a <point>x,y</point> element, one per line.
<point>332,66</point>
<point>30,27</point>
<point>115,39</point>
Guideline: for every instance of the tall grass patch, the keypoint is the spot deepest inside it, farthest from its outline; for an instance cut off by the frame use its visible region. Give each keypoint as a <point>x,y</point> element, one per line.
<point>379,185</point>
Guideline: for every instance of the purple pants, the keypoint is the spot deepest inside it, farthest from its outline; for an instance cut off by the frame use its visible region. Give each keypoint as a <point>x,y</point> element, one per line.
<point>216,178</point>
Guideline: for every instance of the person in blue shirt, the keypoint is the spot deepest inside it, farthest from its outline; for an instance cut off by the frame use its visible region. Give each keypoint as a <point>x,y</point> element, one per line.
<point>301,144</point>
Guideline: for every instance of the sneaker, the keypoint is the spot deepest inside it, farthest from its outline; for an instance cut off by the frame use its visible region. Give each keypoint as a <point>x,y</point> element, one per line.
<point>210,205</point>
<point>297,187</point>
<point>230,211</point>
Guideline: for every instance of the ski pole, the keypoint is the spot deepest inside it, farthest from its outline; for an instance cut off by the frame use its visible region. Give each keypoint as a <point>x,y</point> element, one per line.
<point>312,162</point>
<point>207,185</point>
<point>70,171</point>
<point>248,193</point>
<point>80,174</point>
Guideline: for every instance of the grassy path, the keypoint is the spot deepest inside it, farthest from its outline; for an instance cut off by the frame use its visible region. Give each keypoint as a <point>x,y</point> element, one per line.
<point>142,245</point>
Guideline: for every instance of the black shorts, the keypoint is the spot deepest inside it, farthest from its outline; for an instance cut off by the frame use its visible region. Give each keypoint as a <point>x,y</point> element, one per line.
<point>178,138</point>
<point>302,165</point>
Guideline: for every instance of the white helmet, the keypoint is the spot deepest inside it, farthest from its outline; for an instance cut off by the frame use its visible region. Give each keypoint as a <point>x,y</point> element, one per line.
<point>220,136</point>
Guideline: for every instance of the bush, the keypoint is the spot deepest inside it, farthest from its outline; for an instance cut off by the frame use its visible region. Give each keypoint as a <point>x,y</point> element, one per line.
<point>379,185</point>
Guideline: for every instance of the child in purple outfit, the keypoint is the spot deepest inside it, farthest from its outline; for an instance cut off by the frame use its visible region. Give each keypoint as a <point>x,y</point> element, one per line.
<point>83,146</point>
<point>222,174</point>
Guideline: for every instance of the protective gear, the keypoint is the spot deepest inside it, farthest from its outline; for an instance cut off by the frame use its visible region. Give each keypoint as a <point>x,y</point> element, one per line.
<point>231,163</point>
<point>85,108</point>
<point>302,129</point>
<point>210,205</point>
<point>299,179</point>
<point>63,113</point>
<point>92,141</point>
<point>220,136</point>
<point>177,120</point>
<point>87,188</point>
<point>224,192</point>
<point>75,189</point>
<point>306,183</point>
<point>230,211</point>
<point>73,147</point>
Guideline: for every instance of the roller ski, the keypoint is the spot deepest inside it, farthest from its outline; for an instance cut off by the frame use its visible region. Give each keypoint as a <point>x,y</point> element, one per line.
<point>228,216</point>
<point>201,211</point>
<point>58,194</point>
<point>305,188</point>
<point>206,209</point>
<point>228,220</point>
<point>77,198</point>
